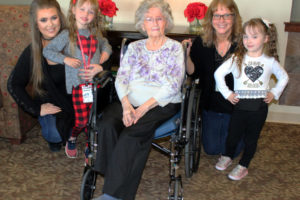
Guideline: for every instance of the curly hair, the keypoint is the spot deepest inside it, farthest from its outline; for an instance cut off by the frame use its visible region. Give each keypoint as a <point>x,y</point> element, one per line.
<point>209,33</point>
<point>37,75</point>
<point>143,9</point>
<point>94,26</point>
<point>270,47</point>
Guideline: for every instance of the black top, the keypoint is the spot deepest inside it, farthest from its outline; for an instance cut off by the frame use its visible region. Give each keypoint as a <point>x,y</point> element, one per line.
<point>53,84</point>
<point>206,61</point>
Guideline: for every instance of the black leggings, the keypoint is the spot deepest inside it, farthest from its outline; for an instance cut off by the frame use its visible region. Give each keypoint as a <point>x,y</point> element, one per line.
<point>245,125</point>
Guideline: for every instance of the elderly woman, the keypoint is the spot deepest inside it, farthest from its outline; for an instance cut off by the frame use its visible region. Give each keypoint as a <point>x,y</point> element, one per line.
<point>222,26</point>
<point>148,85</point>
<point>49,100</point>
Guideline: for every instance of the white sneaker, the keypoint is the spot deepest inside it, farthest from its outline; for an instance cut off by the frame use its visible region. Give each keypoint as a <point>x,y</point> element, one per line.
<point>238,173</point>
<point>223,163</point>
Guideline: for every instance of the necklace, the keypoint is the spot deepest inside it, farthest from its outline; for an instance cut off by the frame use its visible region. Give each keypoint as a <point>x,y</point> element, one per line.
<point>47,39</point>
<point>223,51</point>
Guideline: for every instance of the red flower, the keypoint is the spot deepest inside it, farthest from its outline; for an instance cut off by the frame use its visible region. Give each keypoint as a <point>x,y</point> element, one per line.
<point>195,10</point>
<point>108,7</point>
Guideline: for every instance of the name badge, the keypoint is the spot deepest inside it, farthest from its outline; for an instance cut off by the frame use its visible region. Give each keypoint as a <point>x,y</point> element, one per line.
<point>87,94</point>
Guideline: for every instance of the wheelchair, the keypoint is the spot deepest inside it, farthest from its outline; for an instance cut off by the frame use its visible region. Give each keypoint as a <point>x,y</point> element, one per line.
<point>183,131</point>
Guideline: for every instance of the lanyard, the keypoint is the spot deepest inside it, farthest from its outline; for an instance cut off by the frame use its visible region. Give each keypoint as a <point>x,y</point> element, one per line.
<point>85,65</point>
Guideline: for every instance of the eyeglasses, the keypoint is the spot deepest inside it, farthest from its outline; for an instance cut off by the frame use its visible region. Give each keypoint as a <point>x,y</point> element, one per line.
<point>225,16</point>
<point>152,20</point>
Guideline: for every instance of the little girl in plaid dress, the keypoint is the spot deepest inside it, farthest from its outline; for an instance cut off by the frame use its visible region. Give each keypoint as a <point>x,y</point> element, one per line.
<point>82,49</point>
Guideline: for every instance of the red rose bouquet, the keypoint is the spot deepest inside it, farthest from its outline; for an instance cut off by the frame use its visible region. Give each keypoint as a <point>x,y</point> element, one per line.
<point>108,7</point>
<point>195,10</point>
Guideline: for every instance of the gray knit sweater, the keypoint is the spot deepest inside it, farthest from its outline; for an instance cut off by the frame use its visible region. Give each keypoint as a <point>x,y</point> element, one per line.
<point>59,48</point>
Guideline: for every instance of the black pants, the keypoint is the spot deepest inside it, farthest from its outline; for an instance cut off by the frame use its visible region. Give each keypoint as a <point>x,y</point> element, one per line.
<point>123,151</point>
<point>245,125</point>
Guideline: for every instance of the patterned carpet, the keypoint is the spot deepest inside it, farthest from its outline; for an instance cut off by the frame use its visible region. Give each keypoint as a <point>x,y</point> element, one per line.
<point>31,172</point>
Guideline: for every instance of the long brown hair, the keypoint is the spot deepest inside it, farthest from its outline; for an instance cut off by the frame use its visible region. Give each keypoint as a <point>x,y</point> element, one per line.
<point>94,26</point>
<point>270,47</point>
<point>209,35</point>
<point>37,75</point>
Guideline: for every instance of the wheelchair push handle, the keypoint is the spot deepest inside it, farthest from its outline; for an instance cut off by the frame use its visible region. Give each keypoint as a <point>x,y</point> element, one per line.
<point>102,78</point>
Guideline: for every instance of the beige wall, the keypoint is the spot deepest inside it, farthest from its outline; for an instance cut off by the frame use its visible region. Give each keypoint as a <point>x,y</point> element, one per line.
<point>295,11</point>
<point>15,2</point>
<point>277,11</point>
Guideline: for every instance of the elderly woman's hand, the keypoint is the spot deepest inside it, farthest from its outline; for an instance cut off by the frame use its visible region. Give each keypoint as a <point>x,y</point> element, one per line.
<point>140,112</point>
<point>128,112</point>
<point>144,108</point>
<point>88,74</point>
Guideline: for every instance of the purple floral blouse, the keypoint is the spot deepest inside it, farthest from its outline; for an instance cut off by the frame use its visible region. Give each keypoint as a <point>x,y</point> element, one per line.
<point>144,74</point>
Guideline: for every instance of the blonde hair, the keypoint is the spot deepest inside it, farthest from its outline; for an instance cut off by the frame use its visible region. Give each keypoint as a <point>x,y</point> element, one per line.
<point>209,33</point>
<point>270,47</point>
<point>94,26</point>
<point>37,75</point>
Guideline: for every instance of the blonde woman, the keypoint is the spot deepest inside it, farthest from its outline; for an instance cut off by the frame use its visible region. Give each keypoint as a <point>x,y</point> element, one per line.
<point>222,26</point>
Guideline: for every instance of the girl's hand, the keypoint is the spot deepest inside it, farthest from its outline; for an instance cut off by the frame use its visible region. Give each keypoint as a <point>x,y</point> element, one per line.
<point>88,74</point>
<point>73,62</point>
<point>49,108</point>
<point>232,98</point>
<point>269,98</point>
<point>128,112</point>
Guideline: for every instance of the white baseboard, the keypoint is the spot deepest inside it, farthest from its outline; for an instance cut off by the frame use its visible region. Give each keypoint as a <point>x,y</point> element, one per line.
<point>284,114</point>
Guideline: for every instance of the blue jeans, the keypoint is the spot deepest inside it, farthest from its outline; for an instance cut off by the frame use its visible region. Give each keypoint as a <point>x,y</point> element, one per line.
<point>49,130</point>
<point>214,133</point>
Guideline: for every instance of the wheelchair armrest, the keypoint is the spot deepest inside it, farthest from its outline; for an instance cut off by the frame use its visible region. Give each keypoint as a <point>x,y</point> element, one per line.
<point>102,78</point>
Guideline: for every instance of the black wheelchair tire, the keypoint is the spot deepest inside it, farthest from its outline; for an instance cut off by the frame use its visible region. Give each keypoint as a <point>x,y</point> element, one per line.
<point>192,148</point>
<point>197,134</point>
<point>88,184</point>
<point>188,146</point>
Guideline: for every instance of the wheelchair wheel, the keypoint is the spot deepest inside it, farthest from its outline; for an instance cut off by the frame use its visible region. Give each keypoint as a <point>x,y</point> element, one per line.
<point>192,149</point>
<point>175,189</point>
<point>88,184</point>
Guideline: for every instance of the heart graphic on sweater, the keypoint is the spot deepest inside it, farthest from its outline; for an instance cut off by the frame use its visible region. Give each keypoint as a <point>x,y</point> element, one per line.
<point>254,73</point>
<point>87,43</point>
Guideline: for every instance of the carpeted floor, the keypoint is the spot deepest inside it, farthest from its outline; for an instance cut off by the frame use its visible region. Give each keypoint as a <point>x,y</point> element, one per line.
<point>31,172</point>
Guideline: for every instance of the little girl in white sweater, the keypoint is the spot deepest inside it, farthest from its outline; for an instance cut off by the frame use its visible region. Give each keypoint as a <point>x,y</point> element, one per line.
<point>252,65</point>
